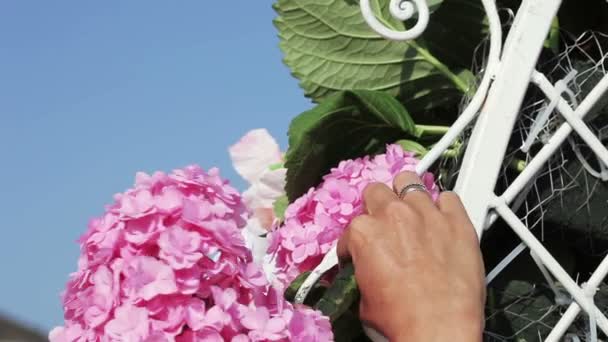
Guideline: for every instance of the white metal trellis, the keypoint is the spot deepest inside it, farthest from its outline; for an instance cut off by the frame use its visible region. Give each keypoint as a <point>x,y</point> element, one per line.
<point>509,71</point>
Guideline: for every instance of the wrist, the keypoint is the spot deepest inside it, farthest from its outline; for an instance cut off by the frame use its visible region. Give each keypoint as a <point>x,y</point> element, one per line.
<point>439,330</point>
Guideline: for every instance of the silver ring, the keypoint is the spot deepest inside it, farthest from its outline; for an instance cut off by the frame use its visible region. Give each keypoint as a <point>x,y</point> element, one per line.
<point>411,188</point>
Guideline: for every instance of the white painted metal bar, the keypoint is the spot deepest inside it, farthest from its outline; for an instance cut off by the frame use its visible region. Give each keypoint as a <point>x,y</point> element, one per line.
<point>554,143</point>
<point>543,270</point>
<point>483,160</point>
<point>478,99</point>
<point>554,267</point>
<point>592,320</point>
<point>505,262</point>
<point>329,261</point>
<point>539,160</point>
<point>541,119</point>
<point>574,309</point>
<point>574,120</point>
<point>587,135</point>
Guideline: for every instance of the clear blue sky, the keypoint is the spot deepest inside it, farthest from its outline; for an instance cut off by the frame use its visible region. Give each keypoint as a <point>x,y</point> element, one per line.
<point>91,92</point>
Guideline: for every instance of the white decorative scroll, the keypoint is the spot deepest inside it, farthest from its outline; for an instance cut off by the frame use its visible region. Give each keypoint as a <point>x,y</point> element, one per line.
<point>401,10</point>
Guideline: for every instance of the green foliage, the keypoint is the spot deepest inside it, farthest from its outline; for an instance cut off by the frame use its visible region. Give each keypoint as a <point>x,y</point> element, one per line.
<point>279,207</point>
<point>341,295</point>
<point>329,47</point>
<point>552,42</point>
<point>413,146</point>
<point>345,125</point>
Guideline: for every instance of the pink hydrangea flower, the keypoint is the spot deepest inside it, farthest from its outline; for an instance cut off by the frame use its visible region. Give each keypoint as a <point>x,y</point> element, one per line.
<point>130,323</point>
<point>308,325</point>
<point>315,221</point>
<point>180,248</point>
<point>262,326</point>
<point>167,262</point>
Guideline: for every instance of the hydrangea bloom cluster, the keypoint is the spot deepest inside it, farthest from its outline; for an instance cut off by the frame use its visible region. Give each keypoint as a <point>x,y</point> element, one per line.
<point>167,262</point>
<point>315,221</point>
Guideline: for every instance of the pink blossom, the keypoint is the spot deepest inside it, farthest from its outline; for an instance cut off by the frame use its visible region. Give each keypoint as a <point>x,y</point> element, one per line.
<point>309,326</point>
<point>105,288</point>
<point>136,203</point>
<point>180,248</point>
<point>215,318</point>
<point>68,334</point>
<point>262,326</point>
<point>258,159</point>
<point>167,262</point>
<point>168,200</point>
<point>254,153</point>
<point>147,277</point>
<point>141,230</point>
<point>130,323</point>
<point>206,334</point>
<point>316,220</point>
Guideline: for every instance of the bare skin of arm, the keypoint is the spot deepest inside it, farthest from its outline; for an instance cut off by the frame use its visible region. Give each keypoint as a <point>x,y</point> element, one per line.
<point>418,265</point>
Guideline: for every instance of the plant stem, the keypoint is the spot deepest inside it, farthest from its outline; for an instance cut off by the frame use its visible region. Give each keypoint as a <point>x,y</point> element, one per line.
<point>430,130</point>
<point>451,153</point>
<point>456,80</point>
<point>276,166</point>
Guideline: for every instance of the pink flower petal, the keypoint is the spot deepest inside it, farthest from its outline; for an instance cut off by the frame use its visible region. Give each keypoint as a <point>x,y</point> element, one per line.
<point>253,153</point>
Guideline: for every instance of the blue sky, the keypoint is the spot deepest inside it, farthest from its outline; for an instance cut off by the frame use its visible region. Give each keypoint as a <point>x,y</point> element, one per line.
<point>91,92</point>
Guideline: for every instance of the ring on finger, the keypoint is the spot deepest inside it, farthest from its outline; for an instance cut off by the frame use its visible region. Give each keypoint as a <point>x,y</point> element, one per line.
<point>411,188</point>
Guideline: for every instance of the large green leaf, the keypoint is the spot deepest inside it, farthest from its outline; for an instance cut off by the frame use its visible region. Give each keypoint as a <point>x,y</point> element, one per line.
<point>345,125</point>
<point>329,47</point>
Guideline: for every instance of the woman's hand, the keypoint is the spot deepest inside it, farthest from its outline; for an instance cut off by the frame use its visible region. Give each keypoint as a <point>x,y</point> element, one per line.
<point>418,265</point>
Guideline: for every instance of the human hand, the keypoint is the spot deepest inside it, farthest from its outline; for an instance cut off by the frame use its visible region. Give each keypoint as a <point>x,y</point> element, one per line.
<point>418,265</point>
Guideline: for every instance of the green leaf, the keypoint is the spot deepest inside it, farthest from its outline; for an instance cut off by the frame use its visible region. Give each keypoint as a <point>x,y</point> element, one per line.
<point>329,47</point>
<point>412,146</point>
<point>292,289</point>
<point>276,166</point>
<point>279,207</point>
<point>341,295</point>
<point>348,328</point>
<point>552,41</point>
<point>345,125</point>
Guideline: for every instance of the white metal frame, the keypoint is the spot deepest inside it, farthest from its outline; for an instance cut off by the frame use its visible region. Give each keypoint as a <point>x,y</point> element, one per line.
<point>496,105</point>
